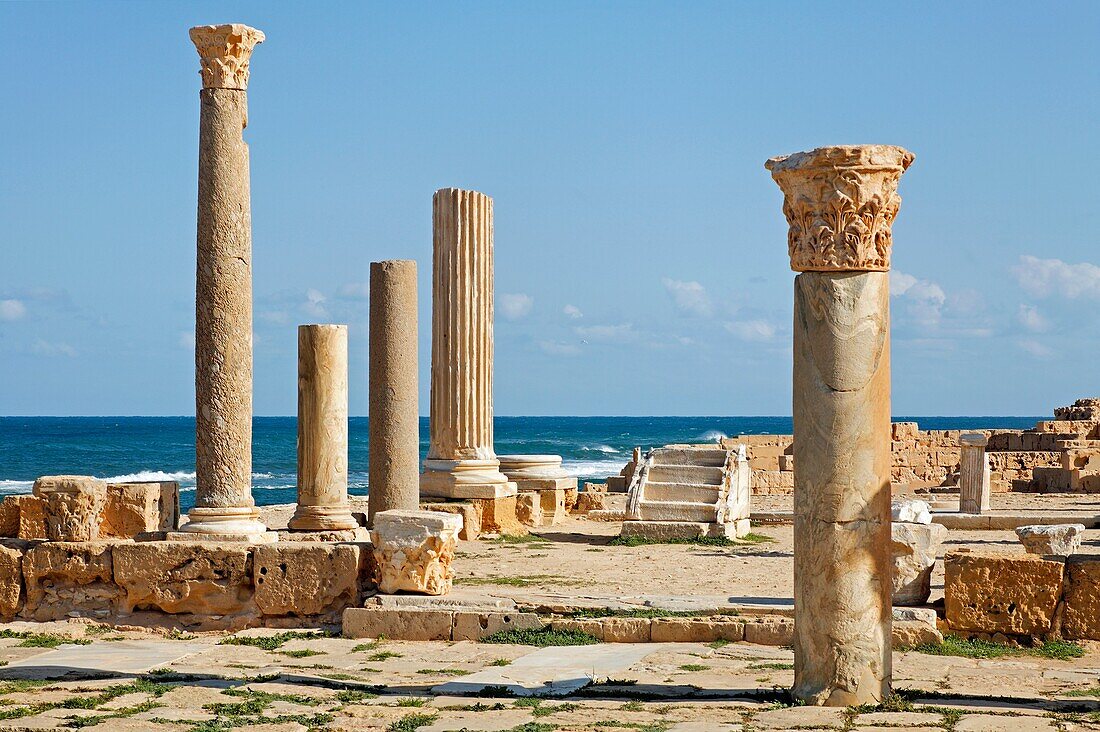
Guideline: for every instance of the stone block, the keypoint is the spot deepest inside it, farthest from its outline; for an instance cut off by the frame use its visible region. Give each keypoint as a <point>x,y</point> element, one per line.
<point>571,495</point>
<point>73,506</point>
<point>914,548</point>
<point>625,630</point>
<point>1001,593</point>
<point>375,622</point>
<point>904,431</point>
<point>414,550</point>
<point>1056,539</point>
<point>200,578</point>
<point>135,508</point>
<point>770,632</point>
<point>9,517</point>
<point>1081,615</point>
<point>697,629</point>
<point>473,626</point>
<point>911,511</point>
<point>591,626</point>
<point>307,578</point>
<point>913,633</point>
<point>471,516</point>
<point>590,501</point>
<point>498,516</point>
<point>69,578</point>
<point>529,508</point>
<point>11,582</point>
<point>32,517</point>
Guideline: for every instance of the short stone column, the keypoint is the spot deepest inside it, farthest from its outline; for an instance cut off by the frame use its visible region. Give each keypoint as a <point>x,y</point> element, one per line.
<point>394,480</point>
<point>840,203</point>
<point>542,484</point>
<point>224,507</point>
<point>974,475</point>
<point>414,550</point>
<point>461,462</point>
<point>322,430</point>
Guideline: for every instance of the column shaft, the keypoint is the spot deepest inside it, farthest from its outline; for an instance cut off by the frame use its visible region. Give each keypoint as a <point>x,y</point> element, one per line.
<point>973,473</point>
<point>322,430</point>
<point>394,412</point>
<point>843,564</point>
<point>461,462</point>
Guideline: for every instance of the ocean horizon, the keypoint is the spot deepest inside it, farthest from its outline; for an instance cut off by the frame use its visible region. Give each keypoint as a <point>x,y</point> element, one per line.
<point>121,448</point>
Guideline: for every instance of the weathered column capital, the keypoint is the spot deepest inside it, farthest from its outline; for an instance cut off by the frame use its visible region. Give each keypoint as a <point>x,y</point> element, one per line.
<point>840,202</point>
<point>224,51</point>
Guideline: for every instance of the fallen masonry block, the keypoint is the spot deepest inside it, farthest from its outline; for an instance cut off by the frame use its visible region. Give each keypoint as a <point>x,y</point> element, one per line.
<point>73,506</point>
<point>414,550</point>
<point>477,625</point>
<point>11,580</point>
<point>1002,593</point>
<point>1081,616</point>
<point>373,622</point>
<point>914,547</point>
<point>1056,539</point>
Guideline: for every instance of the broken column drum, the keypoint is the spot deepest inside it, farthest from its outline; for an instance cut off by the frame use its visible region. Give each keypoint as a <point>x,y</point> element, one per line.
<point>322,430</point>
<point>973,473</point>
<point>840,203</point>
<point>461,462</point>
<point>223,293</point>
<point>394,407</point>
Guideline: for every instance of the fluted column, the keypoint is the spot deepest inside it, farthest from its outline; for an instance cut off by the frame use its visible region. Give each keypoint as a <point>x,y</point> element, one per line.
<point>322,430</point>
<point>461,462</point>
<point>223,293</point>
<point>394,405</point>
<point>973,473</point>
<point>840,203</point>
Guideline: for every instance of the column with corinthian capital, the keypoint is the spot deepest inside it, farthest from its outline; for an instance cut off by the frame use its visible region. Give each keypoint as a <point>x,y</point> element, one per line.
<point>840,203</point>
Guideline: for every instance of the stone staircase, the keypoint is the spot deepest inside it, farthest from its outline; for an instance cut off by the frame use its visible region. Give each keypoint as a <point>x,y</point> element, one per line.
<point>682,491</point>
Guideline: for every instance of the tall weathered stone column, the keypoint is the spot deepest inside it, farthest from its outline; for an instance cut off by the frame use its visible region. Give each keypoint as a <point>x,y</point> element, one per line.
<point>394,405</point>
<point>461,462</point>
<point>973,473</point>
<point>840,203</point>
<point>322,430</point>
<point>223,292</point>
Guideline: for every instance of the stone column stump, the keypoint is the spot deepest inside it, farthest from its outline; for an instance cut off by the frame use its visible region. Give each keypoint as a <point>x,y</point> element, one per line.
<point>73,506</point>
<point>974,478</point>
<point>414,550</point>
<point>394,407</point>
<point>322,430</point>
<point>542,484</point>
<point>839,203</point>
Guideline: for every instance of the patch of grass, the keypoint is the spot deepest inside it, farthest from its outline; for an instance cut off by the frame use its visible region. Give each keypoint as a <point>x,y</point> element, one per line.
<point>304,699</point>
<point>1094,691</point>
<point>42,640</point>
<point>340,676</point>
<point>412,701</point>
<point>692,541</point>
<point>720,643</point>
<point>352,696</point>
<point>443,672</point>
<point>524,539</point>
<point>366,646</point>
<point>383,656</point>
<point>93,720</point>
<point>412,722</point>
<point>522,580</point>
<point>17,685</point>
<point>500,662</point>
<point>694,667</point>
<point>533,727</point>
<point>754,538</point>
<point>953,645</point>
<point>542,637</point>
<point>272,642</point>
<point>770,666</point>
<point>301,653</point>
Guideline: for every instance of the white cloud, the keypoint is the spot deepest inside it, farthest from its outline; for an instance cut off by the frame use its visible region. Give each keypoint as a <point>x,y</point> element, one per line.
<point>556,348</point>
<point>43,348</point>
<point>315,304</point>
<point>752,330</point>
<point>12,310</point>
<point>923,299</point>
<point>1035,348</point>
<point>572,311</point>
<point>1030,317</point>
<point>356,291</point>
<point>690,297</point>
<point>187,341</point>
<point>1045,277</point>
<point>624,333</point>
<point>515,305</point>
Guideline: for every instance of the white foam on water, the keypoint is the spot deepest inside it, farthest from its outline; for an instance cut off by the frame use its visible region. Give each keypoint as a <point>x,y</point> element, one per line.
<point>143,476</point>
<point>592,468</point>
<point>712,436</point>
<point>15,486</point>
<point>605,449</point>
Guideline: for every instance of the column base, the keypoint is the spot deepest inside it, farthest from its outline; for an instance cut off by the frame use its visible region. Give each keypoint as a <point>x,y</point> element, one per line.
<point>224,524</point>
<point>322,518</point>
<point>464,479</point>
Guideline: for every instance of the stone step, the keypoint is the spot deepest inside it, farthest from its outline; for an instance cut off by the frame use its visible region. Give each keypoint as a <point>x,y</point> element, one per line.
<point>656,491</point>
<point>714,457</point>
<point>690,474</point>
<point>677,511</point>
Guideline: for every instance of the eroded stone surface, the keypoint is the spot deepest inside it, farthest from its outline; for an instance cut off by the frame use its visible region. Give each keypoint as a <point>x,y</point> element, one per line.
<point>1081,617</point>
<point>135,508</point>
<point>912,511</point>
<point>990,592</point>
<point>305,579</point>
<point>1059,539</point>
<point>914,547</point>
<point>69,577</point>
<point>73,506</point>
<point>184,577</point>
<point>414,550</point>
<point>11,582</point>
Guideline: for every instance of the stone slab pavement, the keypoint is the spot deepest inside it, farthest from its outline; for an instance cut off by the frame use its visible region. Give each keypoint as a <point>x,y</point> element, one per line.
<point>122,658</point>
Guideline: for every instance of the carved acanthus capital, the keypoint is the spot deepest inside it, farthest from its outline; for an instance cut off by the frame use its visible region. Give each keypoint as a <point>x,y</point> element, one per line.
<point>840,203</point>
<point>224,51</point>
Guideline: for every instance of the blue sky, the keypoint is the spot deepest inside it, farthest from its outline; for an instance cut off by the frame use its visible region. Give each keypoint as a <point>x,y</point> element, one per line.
<point>641,262</point>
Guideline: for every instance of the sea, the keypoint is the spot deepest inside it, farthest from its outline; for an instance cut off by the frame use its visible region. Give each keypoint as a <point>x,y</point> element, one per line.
<point>163,448</point>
